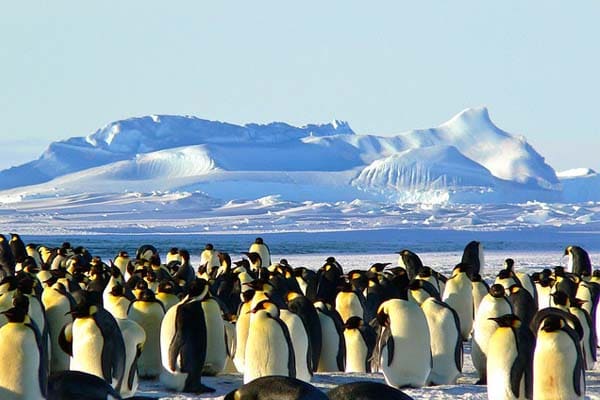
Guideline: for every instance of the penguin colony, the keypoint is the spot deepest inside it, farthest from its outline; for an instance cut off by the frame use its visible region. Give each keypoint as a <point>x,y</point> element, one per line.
<point>73,326</point>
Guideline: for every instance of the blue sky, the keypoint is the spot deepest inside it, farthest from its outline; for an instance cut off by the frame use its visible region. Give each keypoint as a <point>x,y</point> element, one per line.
<point>68,68</point>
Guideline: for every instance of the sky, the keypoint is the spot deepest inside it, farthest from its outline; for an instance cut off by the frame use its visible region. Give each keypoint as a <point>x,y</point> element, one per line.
<point>68,68</point>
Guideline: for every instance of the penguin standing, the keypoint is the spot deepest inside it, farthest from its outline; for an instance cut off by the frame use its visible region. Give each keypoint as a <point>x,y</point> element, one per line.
<point>148,313</point>
<point>446,342</point>
<point>24,373</point>
<point>183,342</point>
<point>557,361</point>
<point>349,303</point>
<point>474,257</point>
<point>494,305</point>
<point>510,360</point>
<point>458,295</point>
<point>95,342</point>
<point>360,340</point>
<point>301,306</point>
<point>579,261</point>
<point>216,346</point>
<point>333,350</point>
<point>301,344</point>
<point>269,349</point>
<point>18,247</point>
<point>404,346</point>
<point>410,262</point>
<point>242,325</point>
<point>57,303</point>
<point>259,246</point>
<point>134,338</point>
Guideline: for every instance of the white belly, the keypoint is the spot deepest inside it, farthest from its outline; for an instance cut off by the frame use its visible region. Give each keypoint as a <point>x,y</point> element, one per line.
<point>20,362</point>
<point>356,351</point>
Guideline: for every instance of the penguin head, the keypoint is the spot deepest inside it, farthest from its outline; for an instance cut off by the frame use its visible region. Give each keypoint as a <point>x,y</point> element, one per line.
<point>509,264</point>
<point>259,240</point>
<point>560,298</point>
<point>8,284</point>
<point>141,285</point>
<point>291,295</point>
<point>552,323</point>
<point>559,271</point>
<point>147,295</point>
<point>184,255</point>
<point>198,288</point>
<point>497,290</point>
<point>379,267</point>
<point>14,237</point>
<point>117,290</point>
<point>166,286</point>
<point>514,288</point>
<point>209,246</point>
<point>507,321</point>
<point>505,274</point>
<point>18,313</point>
<point>224,259</point>
<point>353,323</point>
<point>87,306</point>
<point>29,265</point>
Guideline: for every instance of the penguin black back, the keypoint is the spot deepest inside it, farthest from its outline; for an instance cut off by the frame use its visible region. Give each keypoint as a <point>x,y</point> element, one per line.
<point>366,391</point>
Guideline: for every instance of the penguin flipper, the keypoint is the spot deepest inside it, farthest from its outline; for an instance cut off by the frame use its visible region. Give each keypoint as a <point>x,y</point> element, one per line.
<point>578,369</point>
<point>133,369</point>
<point>43,368</point>
<point>113,350</point>
<point>65,339</point>
<point>288,339</point>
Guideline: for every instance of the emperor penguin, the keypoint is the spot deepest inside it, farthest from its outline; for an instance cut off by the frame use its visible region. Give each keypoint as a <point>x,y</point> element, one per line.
<point>360,341</point>
<point>122,261</point>
<point>510,360</point>
<point>474,257</point>
<point>446,342</point>
<point>410,262</point>
<point>94,342</point>
<point>269,349</point>
<point>210,258</point>
<point>333,350</point>
<point>494,304</point>
<point>24,375</point>
<point>301,344</point>
<point>183,342</point>
<point>523,304</point>
<point>366,390</point>
<point>558,371</point>
<point>276,387</point>
<point>458,295</point>
<point>301,306</point>
<point>18,247</point>
<point>259,246</point>
<point>523,279</point>
<point>7,259</point>
<point>216,346</point>
<point>134,338</point>
<point>116,302</point>
<point>589,341</point>
<point>420,290</point>
<point>148,312</point>
<point>242,325</point>
<point>543,285</point>
<point>145,252</point>
<point>579,261</point>
<point>404,346</point>
<point>71,385</point>
<point>166,294</point>
<point>349,303</point>
<point>57,303</point>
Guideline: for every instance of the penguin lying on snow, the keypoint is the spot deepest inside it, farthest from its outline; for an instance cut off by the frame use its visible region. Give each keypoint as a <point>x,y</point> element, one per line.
<point>276,387</point>
<point>366,391</point>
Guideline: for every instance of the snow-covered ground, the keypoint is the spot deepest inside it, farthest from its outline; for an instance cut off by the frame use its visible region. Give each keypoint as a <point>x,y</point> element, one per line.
<point>443,261</point>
